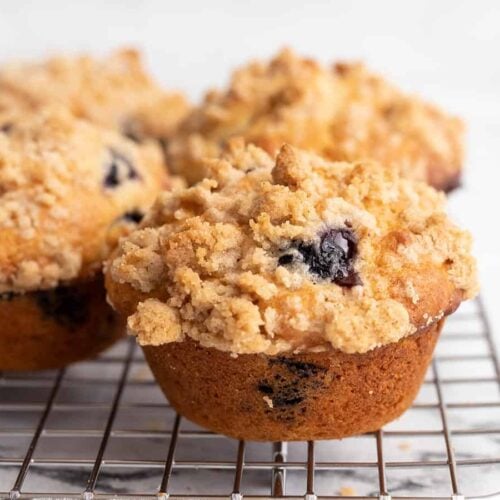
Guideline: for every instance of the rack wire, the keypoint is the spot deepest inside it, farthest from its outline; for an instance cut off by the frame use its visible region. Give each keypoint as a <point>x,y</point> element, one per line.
<point>102,429</point>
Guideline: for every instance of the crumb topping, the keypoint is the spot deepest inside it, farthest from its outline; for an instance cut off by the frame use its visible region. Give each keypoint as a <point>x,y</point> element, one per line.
<point>58,215</point>
<point>208,259</point>
<point>394,128</point>
<point>115,91</point>
<point>346,113</point>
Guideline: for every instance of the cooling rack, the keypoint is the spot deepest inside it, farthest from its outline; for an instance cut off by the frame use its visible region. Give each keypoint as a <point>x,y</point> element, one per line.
<point>102,429</point>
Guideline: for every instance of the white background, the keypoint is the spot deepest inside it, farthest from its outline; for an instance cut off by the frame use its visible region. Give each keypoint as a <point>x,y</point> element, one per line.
<point>448,51</point>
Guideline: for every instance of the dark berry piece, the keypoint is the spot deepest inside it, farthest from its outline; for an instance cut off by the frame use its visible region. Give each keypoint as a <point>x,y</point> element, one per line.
<point>285,259</point>
<point>133,216</point>
<point>264,387</point>
<point>6,127</point>
<point>293,384</point>
<point>287,394</point>
<point>111,179</point>
<point>300,368</point>
<point>119,170</point>
<point>68,306</point>
<point>331,257</point>
<point>287,399</point>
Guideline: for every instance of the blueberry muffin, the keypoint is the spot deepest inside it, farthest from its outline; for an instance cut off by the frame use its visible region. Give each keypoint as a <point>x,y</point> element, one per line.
<point>294,298</point>
<point>68,191</point>
<point>344,113</point>
<point>115,92</point>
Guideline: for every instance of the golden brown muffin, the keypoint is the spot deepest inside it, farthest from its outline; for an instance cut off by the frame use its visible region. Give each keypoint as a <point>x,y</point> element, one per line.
<point>51,328</point>
<point>68,190</point>
<point>382,123</point>
<point>303,396</point>
<point>114,92</point>
<point>292,281</point>
<point>347,113</point>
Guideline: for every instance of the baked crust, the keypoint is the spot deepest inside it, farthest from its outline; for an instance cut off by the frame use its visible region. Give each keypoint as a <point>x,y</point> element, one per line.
<point>346,113</point>
<point>306,396</point>
<point>53,328</point>
<point>68,190</point>
<point>115,91</point>
<point>233,261</point>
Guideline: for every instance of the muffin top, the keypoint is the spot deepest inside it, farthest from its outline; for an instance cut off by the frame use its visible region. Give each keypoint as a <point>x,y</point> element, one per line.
<point>379,121</point>
<point>343,113</point>
<point>292,254</point>
<point>68,190</point>
<point>114,91</point>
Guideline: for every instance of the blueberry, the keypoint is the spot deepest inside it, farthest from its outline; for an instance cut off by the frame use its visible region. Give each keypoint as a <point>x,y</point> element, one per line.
<point>6,127</point>
<point>285,259</point>
<point>119,170</point>
<point>331,257</point>
<point>294,382</point>
<point>283,395</point>
<point>68,306</point>
<point>264,387</point>
<point>299,368</point>
<point>133,216</point>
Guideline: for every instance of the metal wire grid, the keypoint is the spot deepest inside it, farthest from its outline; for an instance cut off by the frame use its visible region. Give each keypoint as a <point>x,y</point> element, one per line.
<point>277,465</point>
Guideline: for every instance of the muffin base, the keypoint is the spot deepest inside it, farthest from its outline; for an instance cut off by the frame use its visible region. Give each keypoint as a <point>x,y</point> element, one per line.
<point>324,395</point>
<point>53,328</point>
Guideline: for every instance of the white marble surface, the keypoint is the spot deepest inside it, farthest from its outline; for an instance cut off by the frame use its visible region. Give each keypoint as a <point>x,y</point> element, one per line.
<point>447,51</point>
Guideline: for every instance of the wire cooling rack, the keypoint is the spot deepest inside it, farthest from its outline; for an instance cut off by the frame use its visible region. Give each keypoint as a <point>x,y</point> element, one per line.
<point>102,429</point>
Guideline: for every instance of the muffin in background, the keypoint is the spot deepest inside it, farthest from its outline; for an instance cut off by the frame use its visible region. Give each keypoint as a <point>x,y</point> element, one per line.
<point>292,298</point>
<point>68,190</point>
<point>114,91</point>
<point>344,113</point>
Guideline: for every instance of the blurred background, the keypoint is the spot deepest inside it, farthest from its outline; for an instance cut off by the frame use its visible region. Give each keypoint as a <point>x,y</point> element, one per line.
<point>445,50</point>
